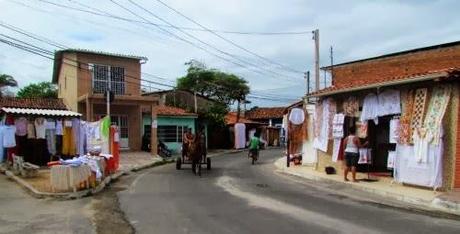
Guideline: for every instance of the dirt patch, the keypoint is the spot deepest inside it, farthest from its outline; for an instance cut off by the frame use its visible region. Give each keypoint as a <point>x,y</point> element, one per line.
<point>41,182</point>
<point>108,217</point>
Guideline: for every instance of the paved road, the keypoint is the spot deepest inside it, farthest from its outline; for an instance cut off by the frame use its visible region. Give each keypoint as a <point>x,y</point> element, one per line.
<point>21,213</point>
<point>235,197</point>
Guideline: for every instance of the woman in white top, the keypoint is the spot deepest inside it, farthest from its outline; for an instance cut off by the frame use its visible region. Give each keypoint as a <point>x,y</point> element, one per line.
<point>351,145</point>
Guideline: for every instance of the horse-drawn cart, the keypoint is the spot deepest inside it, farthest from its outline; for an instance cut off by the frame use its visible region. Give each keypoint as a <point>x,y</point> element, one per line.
<point>195,155</point>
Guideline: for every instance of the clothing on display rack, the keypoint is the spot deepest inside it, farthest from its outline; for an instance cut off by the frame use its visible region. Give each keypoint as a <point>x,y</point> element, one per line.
<point>21,126</point>
<point>407,169</point>
<point>2,150</point>
<point>59,128</point>
<point>351,107</point>
<point>51,141</point>
<point>82,138</point>
<point>68,142</point>
<point>240,136</point>
<point>9,139</point>
<point>422,137</point>
<point>436,109</point>
<point>321,141</point>
<point>76,135</point>
<point>318,118</point>
<point>389,102</point>
<point>391,159</point>
<point>418,111</point>
<point>40,128</point>
<point>105,134</point>
<point>365,156</point>
<point>297,116</point>
<point>336,149</point>
<point>30,130</point>
<point>370,108</point>
<point>361,129</point>
<point>405,129</point>
<point>394,131</point>
<point>337,125</point>
<point>332,109</point>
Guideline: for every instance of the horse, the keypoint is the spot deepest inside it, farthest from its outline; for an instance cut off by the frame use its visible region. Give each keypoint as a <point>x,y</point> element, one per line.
<point>195,154</point>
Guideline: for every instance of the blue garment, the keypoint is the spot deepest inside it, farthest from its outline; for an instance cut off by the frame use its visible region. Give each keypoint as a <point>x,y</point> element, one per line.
<point>2,150</point>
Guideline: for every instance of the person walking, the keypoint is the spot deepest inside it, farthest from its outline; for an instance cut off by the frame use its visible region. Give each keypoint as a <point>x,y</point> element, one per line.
<point>351,145</point>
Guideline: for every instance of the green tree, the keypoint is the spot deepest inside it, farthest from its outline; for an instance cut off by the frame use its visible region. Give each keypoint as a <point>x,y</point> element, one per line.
<point>38,90</point>
<point>212,83</point>
<point>6,81</point>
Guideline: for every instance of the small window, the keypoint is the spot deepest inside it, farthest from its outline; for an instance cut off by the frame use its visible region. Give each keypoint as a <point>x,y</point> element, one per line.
<point>168,133</point>
<point>101,75</point>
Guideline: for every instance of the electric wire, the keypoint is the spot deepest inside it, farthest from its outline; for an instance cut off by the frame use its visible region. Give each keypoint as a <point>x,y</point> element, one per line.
<point>228,40</point>
<point>203,42</point>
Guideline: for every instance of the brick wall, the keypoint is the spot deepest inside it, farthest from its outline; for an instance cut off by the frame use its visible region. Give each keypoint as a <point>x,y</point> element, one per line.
<point>456,166</point>
<point>400,65</point>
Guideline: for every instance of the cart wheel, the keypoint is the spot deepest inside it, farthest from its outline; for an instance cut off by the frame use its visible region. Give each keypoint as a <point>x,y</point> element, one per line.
<point>178,163</point>
<point>208,163</point>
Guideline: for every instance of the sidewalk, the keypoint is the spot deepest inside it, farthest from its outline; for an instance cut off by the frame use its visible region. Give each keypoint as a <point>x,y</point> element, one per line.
<point>422,198</point>
<point>39,186</point>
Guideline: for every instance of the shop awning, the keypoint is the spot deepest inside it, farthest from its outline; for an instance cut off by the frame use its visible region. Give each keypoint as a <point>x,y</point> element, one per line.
<point>46,112</point>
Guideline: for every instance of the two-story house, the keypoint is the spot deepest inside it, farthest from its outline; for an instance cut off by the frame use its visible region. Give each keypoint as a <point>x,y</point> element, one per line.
<point>83,77</point>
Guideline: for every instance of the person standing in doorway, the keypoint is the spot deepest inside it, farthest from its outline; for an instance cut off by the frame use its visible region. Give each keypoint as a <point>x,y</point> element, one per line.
<point>351,145</point>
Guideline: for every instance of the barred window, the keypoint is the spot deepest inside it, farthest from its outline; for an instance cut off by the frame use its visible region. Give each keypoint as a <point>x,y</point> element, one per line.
<point>101,74</point>
<point>171,133</point>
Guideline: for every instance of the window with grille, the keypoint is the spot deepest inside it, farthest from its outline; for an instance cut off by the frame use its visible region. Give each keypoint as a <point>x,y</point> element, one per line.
<point>171,133</point>
<point>101,75</point>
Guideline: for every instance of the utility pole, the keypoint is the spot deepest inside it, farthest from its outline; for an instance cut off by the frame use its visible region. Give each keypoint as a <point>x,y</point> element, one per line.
<point>194,98</point>
<point>108,95</point>
<point>196,106</point>
<point>307,82</point>
<point>316,38</point>
<point>332,64</point>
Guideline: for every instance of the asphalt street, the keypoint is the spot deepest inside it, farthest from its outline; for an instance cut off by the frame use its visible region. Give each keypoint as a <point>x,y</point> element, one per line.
<point>237,197</point>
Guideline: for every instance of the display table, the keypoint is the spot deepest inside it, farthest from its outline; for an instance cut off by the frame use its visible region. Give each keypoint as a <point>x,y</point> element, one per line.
<point>65,177</point>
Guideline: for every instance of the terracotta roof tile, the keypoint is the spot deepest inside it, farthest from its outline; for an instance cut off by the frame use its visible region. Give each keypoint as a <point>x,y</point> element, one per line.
<point>266,113</point>
<point>173,111</point>
<point>357,83</point>
<point>33,103</point>
<point>230,119</point>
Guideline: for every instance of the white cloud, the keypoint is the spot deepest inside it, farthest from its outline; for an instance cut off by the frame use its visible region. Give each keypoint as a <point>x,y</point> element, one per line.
<point>356,29</point>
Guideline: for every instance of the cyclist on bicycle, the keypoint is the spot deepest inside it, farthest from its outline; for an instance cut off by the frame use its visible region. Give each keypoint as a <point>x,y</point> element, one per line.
<point>254,145</point>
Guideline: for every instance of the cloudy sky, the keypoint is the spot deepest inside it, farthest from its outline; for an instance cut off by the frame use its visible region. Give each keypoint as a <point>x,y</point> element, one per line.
<point>355,29</point>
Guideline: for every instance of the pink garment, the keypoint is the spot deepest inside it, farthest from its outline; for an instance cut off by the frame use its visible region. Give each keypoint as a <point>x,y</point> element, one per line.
<point>21,126</point>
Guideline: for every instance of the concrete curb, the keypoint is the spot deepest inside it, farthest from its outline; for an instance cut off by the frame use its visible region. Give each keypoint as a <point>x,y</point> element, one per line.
<point>435,205</point>
<point>84,193</point>
<point>100,187</point>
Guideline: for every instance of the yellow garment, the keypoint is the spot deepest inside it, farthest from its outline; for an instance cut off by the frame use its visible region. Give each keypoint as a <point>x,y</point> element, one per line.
<point>68,142</point>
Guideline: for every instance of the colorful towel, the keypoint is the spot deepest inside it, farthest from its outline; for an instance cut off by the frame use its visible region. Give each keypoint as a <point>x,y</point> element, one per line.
<point>419,109</point>
<point>436,110</point>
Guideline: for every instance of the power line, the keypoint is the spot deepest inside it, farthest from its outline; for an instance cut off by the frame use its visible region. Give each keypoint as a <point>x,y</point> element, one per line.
<point>31,35</point>
<point>46,53</point>
<point>105,14</point>
<point>228,40</point>
<point>201,41</point>
<point>53,43</point>
<point>40,51</point>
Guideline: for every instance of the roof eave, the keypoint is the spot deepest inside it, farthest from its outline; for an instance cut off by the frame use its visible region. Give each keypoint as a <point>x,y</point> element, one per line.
<point>384,84</point>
